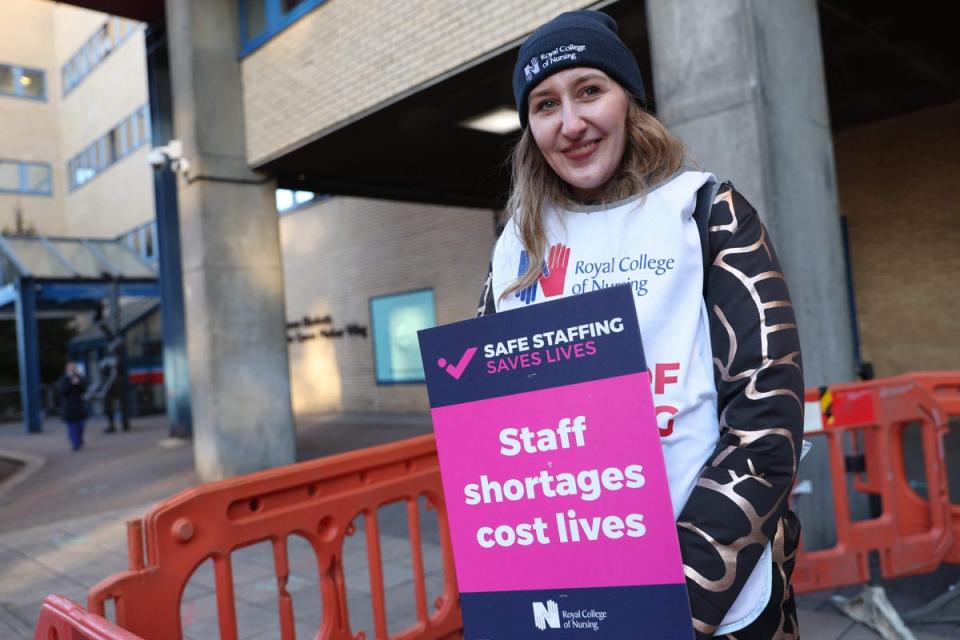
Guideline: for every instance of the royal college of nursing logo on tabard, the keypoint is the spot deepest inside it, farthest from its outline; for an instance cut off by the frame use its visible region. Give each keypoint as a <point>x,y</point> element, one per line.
<point>551,279</point>
<point>546,616</point>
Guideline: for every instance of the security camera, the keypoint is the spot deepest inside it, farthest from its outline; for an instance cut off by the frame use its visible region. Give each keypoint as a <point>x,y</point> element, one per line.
<point>171,153</point>
<point>157,158</point>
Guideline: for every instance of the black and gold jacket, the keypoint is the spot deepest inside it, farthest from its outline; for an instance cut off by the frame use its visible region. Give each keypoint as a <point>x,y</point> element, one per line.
<point>740,502</point>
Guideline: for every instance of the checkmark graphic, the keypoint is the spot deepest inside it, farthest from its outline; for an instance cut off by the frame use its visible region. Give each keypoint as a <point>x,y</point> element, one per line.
<point>457,370</point>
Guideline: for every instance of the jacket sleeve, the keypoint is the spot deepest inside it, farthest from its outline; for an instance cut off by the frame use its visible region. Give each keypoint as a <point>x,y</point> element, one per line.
<point>742,490</point>
<point>487,304</point>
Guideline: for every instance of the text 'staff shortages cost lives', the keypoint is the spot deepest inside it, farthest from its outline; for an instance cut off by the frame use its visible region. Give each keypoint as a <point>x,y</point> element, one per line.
<point>556,492</point>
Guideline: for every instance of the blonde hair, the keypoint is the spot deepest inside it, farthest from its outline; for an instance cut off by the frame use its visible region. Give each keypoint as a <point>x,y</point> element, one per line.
<point>652,154</point>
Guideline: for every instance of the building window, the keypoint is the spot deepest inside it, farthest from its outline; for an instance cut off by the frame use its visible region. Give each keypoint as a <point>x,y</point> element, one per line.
<point>149,241</point>
<point>260,20</point>
<point>395,320</point>
<point>110,35</point>
<point>122,140</point>
<point>142,240</point>
<point>9,176</point>
<point>31,178</point>
<point>21,82</point>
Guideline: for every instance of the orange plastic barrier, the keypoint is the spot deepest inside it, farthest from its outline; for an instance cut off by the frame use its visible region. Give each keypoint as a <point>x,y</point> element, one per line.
<point>61,619</point>
<point>317,500</point>
<point>913,534</point>
<point>944,386</point>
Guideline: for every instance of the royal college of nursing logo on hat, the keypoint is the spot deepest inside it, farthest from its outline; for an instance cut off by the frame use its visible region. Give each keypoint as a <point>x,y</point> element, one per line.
<point>532,69</point>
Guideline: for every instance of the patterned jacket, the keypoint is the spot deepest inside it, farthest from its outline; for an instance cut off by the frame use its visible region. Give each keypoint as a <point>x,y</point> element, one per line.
<point>740,501</point>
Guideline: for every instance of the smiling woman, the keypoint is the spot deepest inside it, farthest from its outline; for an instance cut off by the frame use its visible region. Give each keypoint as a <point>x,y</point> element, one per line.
<point>600,197</point>
<point>578,120</point>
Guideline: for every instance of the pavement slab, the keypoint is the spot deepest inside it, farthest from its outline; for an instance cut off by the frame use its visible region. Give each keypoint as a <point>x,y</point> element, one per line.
<point>11,626</point>
<point>822,626</point>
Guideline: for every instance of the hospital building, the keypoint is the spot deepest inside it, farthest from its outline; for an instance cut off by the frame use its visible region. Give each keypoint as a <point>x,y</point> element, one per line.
<point>340,173</point>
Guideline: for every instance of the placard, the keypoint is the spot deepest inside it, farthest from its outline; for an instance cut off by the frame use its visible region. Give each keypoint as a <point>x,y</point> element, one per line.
<point>554,481</point>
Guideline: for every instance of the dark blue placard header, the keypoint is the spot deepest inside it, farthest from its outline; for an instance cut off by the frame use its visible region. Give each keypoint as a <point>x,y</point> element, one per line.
<point>651,612</point>
<point>577,339</point>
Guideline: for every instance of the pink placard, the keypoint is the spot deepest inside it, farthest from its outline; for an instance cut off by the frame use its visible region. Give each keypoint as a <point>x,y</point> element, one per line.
<point>608,488</point>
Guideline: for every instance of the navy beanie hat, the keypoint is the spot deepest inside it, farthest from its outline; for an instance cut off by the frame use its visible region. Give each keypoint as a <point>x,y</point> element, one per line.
<point>574,39</point>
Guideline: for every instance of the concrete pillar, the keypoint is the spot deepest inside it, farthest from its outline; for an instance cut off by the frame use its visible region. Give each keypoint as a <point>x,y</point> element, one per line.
<point>232,277</point>
<point>742,83</point>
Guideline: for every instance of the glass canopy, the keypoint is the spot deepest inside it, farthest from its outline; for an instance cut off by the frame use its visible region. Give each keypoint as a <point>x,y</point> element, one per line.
<point>45,258</point>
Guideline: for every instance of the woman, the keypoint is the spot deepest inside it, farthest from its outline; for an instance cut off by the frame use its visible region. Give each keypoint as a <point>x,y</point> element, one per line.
<point>72,387</point>
<point>600,197</point>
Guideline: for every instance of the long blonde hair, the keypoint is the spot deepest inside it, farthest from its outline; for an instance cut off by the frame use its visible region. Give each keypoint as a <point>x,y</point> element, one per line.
<point>652,154</point>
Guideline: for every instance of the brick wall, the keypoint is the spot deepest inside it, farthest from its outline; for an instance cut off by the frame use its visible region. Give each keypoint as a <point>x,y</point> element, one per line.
<point>121,197</point>
<point>115,201</point>
<point>72,26</point>
<point>29,128</point>
<point>111,92</point>
<point>347,57</point>
<point>43,35</point>
<point>340,253</point>
<point>898,188</point>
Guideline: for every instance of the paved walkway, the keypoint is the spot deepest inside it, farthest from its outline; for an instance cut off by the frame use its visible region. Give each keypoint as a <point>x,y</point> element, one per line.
<point>62,530</point>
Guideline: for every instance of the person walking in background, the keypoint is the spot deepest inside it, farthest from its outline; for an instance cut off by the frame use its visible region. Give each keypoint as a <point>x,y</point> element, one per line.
<point>72,386</point>
<point>108,392</point>
<point>112,389</point>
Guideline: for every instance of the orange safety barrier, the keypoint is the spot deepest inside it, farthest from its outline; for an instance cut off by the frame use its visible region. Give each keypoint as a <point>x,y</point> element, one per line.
<point>913,534</point>
<point>61,619</point>
<point>944,386</point>
<point>319,500</point>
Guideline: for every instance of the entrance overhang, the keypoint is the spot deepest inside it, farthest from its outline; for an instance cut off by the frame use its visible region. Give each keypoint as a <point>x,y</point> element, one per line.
<point>415,148</point>
<point>880,61</point>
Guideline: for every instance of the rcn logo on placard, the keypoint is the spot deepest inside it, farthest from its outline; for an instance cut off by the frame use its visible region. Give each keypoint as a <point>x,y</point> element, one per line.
<point>532,69</point>
<point>456,370</point>
<point>546,616</point>
<point>552,278</point>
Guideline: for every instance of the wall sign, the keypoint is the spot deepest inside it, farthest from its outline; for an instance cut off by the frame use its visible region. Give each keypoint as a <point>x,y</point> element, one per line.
<point>296,334</point>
